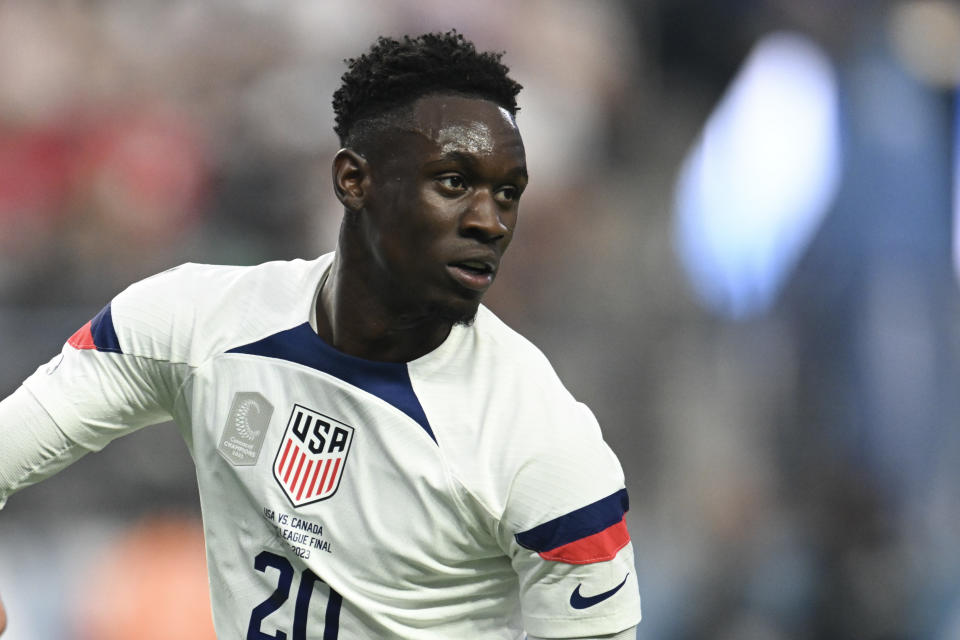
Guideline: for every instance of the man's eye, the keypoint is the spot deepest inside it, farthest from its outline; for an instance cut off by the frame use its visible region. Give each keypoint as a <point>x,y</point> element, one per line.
<point>508,194</point>
<point>453,182</point>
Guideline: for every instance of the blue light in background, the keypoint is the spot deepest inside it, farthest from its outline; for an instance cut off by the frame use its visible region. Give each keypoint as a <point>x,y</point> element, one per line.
<point>956,183</point>
<point>759,180</point>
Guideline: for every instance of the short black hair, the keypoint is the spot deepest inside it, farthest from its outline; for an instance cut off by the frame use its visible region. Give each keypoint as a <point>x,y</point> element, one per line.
<point>395,73</point>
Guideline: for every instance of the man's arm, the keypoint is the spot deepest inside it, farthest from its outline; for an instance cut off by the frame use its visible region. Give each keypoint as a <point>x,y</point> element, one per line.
<point>626,634</point>
<point>86,396</point>
<point>564,528</point>
<point>34,447</point>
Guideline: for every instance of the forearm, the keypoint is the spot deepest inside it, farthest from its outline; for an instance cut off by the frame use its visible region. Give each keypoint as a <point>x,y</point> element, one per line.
<point>34,447</point>
<point>626,634</point>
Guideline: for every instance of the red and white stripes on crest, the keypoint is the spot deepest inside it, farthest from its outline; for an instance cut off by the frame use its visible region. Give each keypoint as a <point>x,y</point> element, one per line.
<point>309,482</point>
<point>311,456</point>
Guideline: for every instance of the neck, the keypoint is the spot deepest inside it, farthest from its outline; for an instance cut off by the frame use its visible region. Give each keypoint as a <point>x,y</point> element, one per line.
<point>355,320</point>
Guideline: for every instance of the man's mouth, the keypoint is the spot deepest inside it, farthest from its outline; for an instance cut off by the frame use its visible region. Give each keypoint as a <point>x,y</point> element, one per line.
<point>472,274</point>
<point>475,266</point>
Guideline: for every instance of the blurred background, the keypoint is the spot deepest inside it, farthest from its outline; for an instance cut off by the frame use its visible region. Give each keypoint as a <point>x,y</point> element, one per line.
<point>738,247</point>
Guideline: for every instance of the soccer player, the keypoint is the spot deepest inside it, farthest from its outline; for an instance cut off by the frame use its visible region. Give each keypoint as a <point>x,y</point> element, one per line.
<point>378,455</point>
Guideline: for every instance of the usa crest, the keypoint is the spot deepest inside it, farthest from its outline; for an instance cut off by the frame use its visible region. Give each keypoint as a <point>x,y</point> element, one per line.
<point>312,455</point>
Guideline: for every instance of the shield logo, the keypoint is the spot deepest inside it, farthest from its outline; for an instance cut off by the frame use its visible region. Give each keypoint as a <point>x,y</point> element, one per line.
<point>246,428</point>
<point>312,455</point>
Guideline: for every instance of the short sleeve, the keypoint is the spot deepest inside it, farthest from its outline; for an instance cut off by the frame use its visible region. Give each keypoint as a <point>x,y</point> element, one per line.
<point>565,532</point>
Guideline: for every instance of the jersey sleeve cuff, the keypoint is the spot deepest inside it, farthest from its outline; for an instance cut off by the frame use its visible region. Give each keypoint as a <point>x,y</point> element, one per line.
<point>580,627</point>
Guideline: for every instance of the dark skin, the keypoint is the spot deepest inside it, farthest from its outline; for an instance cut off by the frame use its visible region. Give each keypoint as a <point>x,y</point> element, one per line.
<point>429,211</point>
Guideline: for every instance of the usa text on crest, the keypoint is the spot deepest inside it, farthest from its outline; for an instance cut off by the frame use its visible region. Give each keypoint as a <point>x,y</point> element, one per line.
<point>313,452</point>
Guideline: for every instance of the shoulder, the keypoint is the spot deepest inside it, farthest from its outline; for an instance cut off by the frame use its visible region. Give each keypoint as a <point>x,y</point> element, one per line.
<point>493,368</point>
<point>509,427</point>
<point>188,312</point>
<point>513,354</point>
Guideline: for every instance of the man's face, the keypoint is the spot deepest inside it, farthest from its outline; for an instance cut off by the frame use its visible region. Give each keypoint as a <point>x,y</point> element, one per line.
<point>442,206</point>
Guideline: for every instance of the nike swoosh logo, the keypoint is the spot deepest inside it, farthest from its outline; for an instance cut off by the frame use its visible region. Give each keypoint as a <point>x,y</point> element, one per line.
<point>578,601</point>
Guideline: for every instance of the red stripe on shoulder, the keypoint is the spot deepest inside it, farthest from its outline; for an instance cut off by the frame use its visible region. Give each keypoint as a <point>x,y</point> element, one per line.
<point>599,547</point>
<point>83,338</point>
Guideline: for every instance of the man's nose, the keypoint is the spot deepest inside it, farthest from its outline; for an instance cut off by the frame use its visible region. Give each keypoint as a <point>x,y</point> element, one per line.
<point>484,219</point>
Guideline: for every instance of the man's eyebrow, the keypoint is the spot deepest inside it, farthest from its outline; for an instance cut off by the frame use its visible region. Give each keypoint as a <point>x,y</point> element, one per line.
<point>457,156</point>
<point>519,171</point>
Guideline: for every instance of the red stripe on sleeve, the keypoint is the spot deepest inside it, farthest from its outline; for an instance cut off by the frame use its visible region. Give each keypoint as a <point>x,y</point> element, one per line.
<point>599,547</point>
<point>83,338</point>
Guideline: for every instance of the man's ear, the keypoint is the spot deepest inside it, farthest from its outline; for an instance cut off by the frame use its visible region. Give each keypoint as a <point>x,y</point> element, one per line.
<point>351,179</point>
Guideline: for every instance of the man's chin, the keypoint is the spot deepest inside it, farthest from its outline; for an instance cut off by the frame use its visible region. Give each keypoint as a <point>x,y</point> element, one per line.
<point>467,322</point>
<point>463,314</point>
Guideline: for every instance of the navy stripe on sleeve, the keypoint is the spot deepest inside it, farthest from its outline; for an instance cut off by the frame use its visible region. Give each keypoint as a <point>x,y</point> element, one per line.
<point>577,524</point>
<point>103,332</point>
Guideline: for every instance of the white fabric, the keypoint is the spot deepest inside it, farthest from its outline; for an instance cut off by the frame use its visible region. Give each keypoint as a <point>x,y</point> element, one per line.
<point>34,447</point>
<point>626,634</point>
<point>418,537</point>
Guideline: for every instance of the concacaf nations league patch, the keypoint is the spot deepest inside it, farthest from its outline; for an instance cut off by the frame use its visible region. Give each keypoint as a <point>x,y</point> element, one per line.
<point>246,428</point>
<point>311,457</point>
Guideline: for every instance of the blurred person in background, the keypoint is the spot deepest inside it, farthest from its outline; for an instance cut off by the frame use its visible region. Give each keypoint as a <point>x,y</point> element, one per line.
<point>482,488</point>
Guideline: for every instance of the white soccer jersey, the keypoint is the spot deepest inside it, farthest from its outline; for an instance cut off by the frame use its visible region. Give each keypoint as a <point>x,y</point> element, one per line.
<point>464,494</point>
